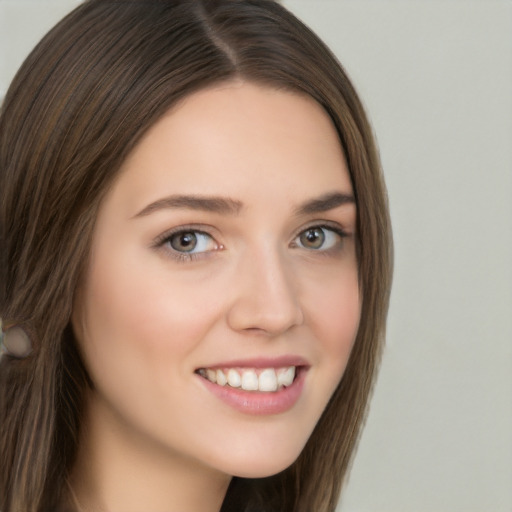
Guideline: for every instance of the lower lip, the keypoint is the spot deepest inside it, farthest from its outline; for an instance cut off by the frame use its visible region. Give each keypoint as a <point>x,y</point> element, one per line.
<point>258,402</point>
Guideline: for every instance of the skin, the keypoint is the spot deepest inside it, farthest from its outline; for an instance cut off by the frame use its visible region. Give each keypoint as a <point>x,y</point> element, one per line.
<point>148,316</point>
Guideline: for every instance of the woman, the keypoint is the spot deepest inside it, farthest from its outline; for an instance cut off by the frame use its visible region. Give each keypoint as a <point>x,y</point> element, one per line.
<point>196,263</point>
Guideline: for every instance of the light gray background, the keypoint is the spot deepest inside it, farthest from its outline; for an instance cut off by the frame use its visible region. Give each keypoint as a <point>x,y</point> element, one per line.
<point>436,77</point>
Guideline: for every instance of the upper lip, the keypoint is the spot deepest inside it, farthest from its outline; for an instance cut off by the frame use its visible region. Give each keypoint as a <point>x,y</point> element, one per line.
<point>261,362</point>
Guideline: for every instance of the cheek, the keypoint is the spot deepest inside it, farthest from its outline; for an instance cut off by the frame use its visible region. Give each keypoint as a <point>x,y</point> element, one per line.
<point>334,317</point>
<point>138,332</point>
<point>336,311</point>
<point>340,318</point>
<point>136,306</point>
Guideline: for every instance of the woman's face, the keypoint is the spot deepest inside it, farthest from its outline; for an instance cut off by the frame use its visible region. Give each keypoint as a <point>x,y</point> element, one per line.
<point>225,250</point>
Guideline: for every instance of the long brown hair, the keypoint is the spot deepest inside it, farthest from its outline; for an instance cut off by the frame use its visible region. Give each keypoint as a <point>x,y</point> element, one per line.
<point>76,108</point>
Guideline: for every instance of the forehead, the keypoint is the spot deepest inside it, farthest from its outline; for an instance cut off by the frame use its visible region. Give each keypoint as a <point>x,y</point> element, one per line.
<point>237,139</point>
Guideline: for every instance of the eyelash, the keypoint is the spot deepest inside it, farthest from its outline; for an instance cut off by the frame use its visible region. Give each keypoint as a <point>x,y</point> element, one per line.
<point>184,257</point>
<point>336,229</point>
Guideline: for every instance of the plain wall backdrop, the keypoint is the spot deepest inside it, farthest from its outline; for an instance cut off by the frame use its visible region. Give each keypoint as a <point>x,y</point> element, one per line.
<point>436,77</point>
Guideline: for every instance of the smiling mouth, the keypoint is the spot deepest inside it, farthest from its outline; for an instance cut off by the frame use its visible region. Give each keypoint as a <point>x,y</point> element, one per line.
<point>252,379</point>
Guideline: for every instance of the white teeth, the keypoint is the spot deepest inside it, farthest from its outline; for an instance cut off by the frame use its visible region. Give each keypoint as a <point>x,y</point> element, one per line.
<point>249,380</point>
<point>211,375</point>
<point>268,380</point>
<point>285,377</point>
<point>221,378</point>
<point>234,379</point>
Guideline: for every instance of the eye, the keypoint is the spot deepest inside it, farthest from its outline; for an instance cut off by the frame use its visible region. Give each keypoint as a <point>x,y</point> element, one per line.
<point>191,242</point>
<point>187,243</point>
<point>320,238</point>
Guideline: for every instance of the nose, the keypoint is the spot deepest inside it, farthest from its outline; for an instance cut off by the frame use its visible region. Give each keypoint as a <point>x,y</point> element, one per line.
<point>265,295</point>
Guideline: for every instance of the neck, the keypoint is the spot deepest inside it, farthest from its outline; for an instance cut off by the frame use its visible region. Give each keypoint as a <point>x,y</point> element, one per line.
<point>118,468</point>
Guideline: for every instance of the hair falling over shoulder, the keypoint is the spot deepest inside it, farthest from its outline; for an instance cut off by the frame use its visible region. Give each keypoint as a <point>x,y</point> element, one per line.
<point>80,102</point>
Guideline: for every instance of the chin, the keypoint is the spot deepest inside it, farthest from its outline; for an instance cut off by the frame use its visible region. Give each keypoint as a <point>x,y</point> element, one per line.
<point>263,471</point>
<point>261,465</point>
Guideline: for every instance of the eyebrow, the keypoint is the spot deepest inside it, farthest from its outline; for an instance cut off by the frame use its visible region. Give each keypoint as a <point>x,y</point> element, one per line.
<point>226,206</point>
<point>220,205</point>
<point>325,203</point>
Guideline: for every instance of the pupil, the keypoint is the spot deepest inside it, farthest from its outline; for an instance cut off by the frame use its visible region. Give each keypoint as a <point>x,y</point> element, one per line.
<point>184,242</point>
<point>313,238</point>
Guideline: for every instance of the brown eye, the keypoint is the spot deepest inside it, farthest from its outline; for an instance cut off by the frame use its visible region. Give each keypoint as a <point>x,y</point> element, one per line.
<point>187,244</point>
<point>320,238</point>
<point>185,241</point>
<point>312,238</point>
<point>191,242</point>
